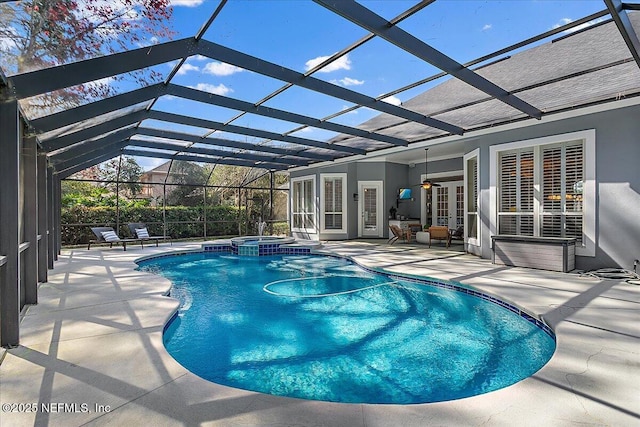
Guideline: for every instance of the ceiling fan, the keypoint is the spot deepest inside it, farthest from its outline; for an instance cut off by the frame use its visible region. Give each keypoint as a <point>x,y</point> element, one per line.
<point>427,184</point>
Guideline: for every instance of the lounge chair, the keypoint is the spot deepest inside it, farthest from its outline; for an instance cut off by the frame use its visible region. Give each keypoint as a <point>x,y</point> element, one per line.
<point>439,232</point>
<point>397,234</point>
<point>108,235</point>
<point>140,230</point>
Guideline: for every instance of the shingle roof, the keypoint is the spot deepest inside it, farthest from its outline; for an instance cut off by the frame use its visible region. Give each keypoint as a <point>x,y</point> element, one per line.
<point>592,65</point>
<point>580,69</point>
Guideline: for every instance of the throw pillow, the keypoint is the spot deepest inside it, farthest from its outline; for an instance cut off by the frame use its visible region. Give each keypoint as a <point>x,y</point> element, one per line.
<point>142,233</point>
<point>110,236</point>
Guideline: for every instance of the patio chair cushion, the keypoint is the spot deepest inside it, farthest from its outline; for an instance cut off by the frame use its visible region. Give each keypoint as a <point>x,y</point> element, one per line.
<point>110,236</point>
<point>142,233</point>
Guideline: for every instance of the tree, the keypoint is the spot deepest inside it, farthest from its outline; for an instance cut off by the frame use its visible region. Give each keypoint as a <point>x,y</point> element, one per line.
<point>186,173</point>
<point>82,193</point>
<point>38,34</point>
<point>126,170</point>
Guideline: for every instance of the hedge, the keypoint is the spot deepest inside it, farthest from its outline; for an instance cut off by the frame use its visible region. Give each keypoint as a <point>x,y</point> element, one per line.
<point>182,221</point>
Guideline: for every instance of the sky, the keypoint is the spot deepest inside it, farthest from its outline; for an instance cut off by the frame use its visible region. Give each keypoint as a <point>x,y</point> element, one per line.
<point>298,34</point>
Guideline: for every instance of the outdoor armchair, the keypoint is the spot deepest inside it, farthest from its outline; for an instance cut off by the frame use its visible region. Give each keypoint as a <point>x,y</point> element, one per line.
<point>396,233</point>
<point>439,232</point>
<point>457,234</point>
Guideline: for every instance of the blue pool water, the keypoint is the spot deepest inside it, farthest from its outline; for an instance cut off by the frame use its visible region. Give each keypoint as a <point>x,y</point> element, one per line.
<point>322,328</point>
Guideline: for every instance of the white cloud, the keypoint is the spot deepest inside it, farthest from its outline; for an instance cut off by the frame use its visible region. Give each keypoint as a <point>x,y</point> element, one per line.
<point>186,67</point>
<point>348,81</point>
<point>221,69</point>
<point>487,27</point>
<point>199,58</point>
<point>565,21</point>
<point>218,90</point>
<point>342,63</point>
<point>392,100</point>
<point>187,3</point>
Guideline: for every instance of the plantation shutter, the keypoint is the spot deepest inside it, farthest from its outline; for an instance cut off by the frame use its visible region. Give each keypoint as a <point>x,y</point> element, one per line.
<point>562,186</point>
<point>558,170</point>
<point>329,203</point>
<point>516,197</point>
<point>525,187</point>
<point>552,192</point>
<point>333,203</point>
<point>337,182</point>
<point>574,190</point>
<point>471,205</point>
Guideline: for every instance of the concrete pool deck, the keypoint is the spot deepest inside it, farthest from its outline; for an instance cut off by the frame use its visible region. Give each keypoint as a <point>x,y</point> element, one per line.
<point>91,351</point>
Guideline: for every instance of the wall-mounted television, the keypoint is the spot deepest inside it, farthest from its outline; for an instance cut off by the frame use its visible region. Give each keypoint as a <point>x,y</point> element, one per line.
<point>404,194</point>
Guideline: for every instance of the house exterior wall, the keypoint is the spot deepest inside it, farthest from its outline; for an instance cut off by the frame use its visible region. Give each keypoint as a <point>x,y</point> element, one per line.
<point>617,163</point>
<point>450,167</point>
<point>390,174</point>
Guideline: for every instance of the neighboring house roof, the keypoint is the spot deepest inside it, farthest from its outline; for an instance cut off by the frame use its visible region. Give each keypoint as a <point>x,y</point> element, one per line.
<point>573,71</point>
<point>163,168</point>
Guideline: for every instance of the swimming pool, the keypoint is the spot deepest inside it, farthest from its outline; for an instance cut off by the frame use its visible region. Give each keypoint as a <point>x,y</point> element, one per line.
<point>323,328</point>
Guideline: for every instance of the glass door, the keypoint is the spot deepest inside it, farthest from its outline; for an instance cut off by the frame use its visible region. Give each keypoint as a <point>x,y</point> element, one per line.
<point>370,209</point>
<point>448,204</point>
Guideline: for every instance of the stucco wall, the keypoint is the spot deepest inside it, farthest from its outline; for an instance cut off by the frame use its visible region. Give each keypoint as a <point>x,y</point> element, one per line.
<point>617,230</point>
<point>617,181</point>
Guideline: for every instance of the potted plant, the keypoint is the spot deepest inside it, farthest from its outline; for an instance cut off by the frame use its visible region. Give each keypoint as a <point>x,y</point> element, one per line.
<point>392,212</point>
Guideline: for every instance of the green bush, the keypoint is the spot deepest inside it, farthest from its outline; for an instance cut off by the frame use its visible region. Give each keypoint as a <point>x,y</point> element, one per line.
<point>281,229</point>
<point>182,221</point>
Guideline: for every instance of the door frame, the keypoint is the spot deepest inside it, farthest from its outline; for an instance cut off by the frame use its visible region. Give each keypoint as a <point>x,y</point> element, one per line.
<point>452,200</point>
<point>423,192</point>
<point>379,207</point>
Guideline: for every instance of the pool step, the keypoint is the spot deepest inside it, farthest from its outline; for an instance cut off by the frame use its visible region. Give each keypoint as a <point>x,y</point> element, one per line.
<point>251,246</point>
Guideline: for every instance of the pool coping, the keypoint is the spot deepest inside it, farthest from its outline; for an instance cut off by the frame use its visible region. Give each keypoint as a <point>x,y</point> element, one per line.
<point>96,336</point>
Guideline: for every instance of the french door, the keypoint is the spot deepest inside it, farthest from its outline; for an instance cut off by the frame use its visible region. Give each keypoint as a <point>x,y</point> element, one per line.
<point>448,204</point>
<point>370,212</point>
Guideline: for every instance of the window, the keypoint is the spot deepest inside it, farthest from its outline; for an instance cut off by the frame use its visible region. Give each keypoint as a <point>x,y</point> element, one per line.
<point>472,203</point>
<point>333,203</point>
<point>515,213</point>
<point>546,187</point>
<point>562,187</point>
<point>303,204</point>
